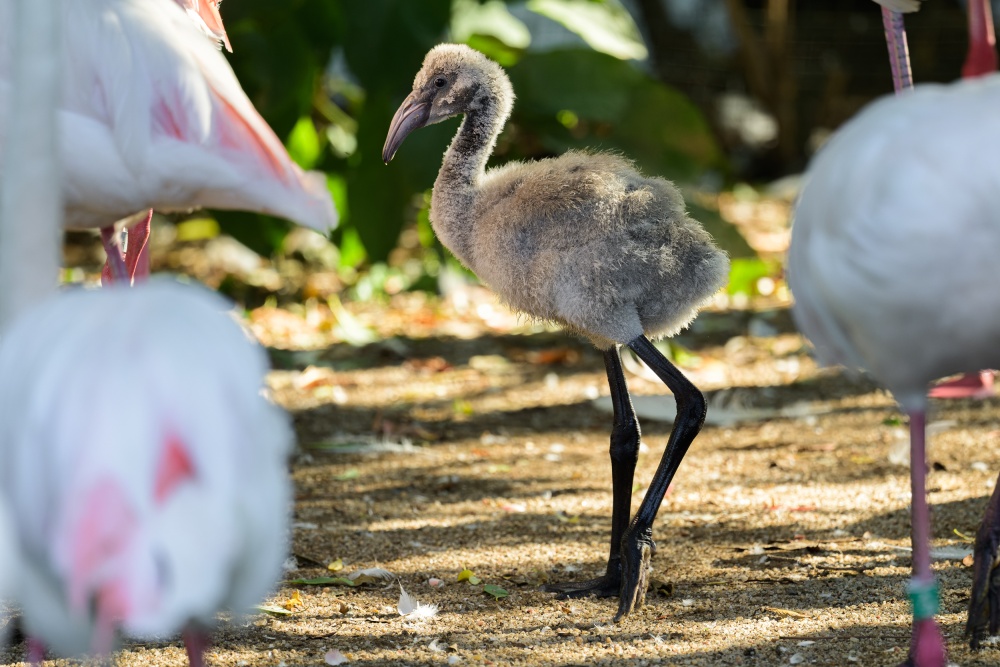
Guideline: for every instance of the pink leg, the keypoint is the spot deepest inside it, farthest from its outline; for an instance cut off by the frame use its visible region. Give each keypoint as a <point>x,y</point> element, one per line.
<point>35,651</point>
<point>927,647</point>
<point>137,254</point>
<point>196,642</point>
<point>899,54</point>
<point>114,270</point>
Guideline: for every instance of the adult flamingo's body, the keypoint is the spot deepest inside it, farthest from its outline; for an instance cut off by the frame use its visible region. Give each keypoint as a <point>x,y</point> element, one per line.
<point>892,253</point>
<point>152,117</point>
<point>151,492</point>
<point>980,59</point>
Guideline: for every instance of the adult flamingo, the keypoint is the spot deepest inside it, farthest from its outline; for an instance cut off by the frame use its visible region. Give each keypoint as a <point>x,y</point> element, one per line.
<point>118,487</point>
<point>152,116</point>
<point>206,15</point>
<point>151,500</point>
<point>878,213</point>
<point>981,58</point>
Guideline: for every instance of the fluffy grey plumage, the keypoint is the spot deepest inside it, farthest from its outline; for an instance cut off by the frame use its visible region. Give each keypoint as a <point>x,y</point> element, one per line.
<point>582,239</point>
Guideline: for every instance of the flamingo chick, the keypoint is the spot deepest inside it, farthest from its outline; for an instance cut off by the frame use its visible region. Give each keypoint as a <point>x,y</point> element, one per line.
<point>152,116</point>
<point>583,240</point>
<point>147,495</point>
<point>880,213</point>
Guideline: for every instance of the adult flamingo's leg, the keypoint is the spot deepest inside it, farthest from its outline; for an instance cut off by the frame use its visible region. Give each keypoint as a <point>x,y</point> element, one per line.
<point>137,251</point>
<point>927,647</point>
<point>114,270</point>
<point>899,52</point>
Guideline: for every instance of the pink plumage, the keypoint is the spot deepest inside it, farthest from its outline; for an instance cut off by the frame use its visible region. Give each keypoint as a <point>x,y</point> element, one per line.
<point>148,481</point>
<point>152,116</point>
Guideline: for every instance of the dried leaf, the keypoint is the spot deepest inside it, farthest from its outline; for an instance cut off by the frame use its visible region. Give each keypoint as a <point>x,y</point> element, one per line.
<point>293,602</point>
<point>968,560</point>
<point>968,538</point>
<point>335,657</point>
<point>785,612</point>
<point>495,591</point>
<point>336,566</point>
<point>273,610</point>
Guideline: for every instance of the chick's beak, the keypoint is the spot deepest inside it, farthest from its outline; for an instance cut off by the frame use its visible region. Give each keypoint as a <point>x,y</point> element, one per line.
<point>412,114</point>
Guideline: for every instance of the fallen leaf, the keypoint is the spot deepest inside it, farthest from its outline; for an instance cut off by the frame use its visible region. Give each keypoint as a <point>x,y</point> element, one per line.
<point>293,602</point>
<point>465,574</point>
<point>785,612</point>
<point>495,591</point>
<point>968,560</point>
<point>349,474</point>
<point>968,538</point>
<point>335,657</point>
<point>273,610</point>
<point>336,566</point>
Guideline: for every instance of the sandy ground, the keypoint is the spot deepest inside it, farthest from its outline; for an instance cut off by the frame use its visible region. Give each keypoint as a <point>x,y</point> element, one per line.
<point>783,540</point>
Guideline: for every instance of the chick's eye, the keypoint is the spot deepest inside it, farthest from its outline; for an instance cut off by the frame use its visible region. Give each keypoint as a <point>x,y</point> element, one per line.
<point>440,81</point>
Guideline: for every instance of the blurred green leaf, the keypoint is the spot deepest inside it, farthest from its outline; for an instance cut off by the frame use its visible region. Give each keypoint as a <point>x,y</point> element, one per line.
<point>577,98</point>
<point>263,234</point>
<point>604,24</point>
<point>745,272</point>
<point>495,591</point>
<point>490,18</point>
<point>304,144</point>
<point>197,229</point>
<point>337,186</point>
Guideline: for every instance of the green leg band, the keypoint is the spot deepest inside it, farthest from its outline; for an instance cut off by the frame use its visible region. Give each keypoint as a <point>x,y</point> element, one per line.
<point>924,598</point>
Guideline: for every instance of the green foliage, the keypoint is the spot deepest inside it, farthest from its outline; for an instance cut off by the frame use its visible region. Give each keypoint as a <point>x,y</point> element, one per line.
<point>604,24</point>
<point>329,74</point>
<point>612,105</point>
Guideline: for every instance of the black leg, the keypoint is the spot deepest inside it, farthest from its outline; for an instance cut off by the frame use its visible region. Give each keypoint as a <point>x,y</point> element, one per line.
<point>984,603</point>
<point>624,454</point>
<point>637,541</point>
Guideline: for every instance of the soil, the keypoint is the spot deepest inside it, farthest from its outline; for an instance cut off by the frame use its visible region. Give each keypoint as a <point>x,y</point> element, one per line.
<point>463,438</point>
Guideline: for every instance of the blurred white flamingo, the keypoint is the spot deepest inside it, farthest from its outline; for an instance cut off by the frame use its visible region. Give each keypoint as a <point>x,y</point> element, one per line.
<point>152,116</point>
<point>150,491</point>
<point>893,240</point>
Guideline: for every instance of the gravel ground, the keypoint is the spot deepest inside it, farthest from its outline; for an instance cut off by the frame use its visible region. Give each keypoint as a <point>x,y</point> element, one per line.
<point>783,540</point>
